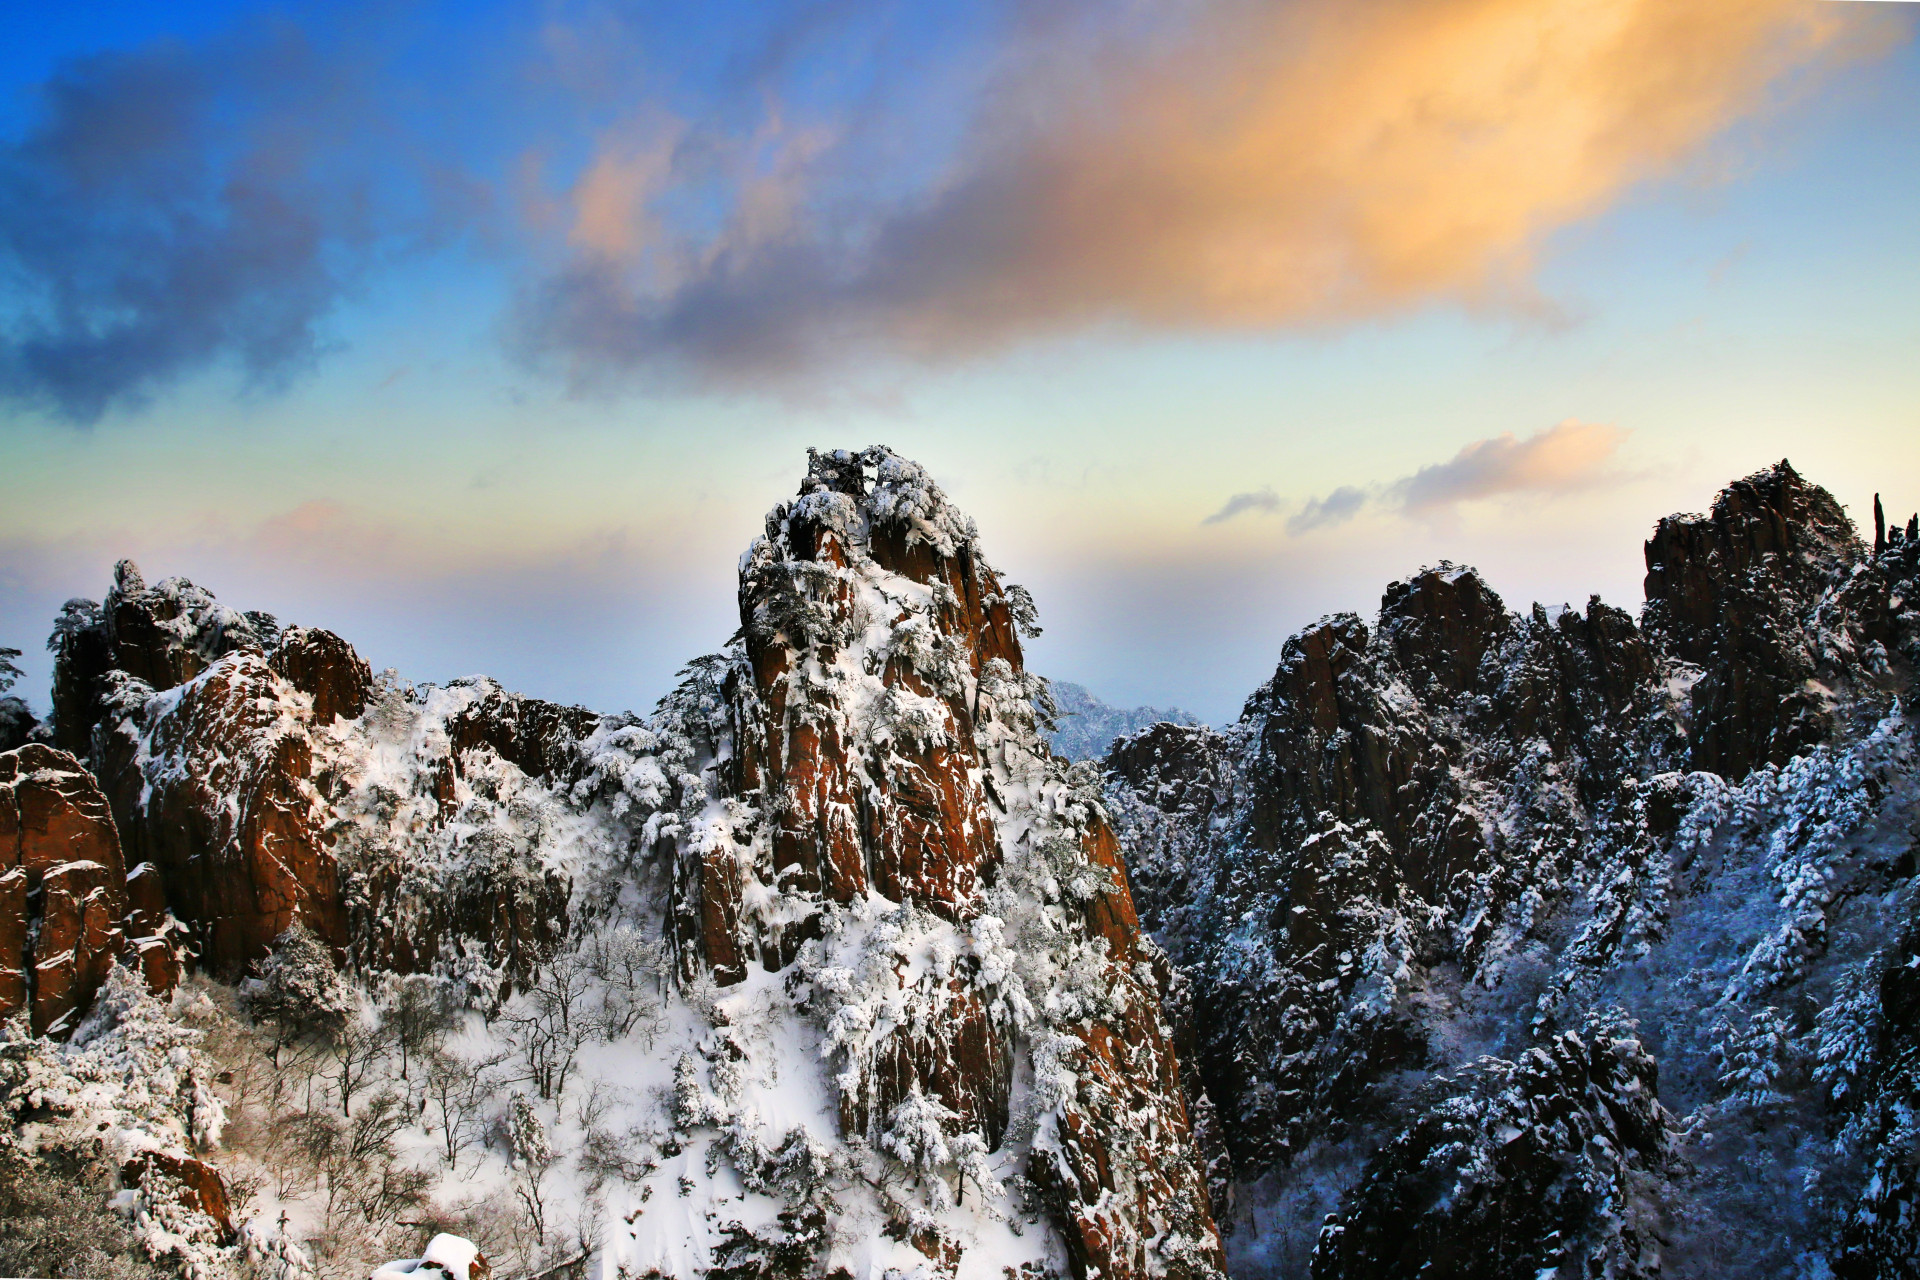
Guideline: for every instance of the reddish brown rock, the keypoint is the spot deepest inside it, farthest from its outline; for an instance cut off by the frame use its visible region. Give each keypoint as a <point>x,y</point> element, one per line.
<point>905,818</point>
<point>875,784</point>
<point>213,786</point>
<point>163,636</point>
<point>1110,912</point>
<point>1124,1177</point>
<point>193,1183</point>
<point>536,737</point>
<point>963,1058</point>
<point>1121,1177</point>
<point>324,667</point>
<point>63,894</point>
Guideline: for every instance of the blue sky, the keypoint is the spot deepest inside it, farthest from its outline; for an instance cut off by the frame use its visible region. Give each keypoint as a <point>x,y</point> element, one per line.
<point>485,334</point>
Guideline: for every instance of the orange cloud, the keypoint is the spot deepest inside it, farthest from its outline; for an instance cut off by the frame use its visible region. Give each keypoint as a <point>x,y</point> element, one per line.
<point>1261,166</point>
<point>1320,162</point>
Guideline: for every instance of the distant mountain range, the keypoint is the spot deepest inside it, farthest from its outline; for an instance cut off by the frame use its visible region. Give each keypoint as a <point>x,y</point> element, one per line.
<point>1086,726</point>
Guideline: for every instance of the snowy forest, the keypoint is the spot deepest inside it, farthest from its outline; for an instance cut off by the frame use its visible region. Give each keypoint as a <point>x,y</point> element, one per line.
<point>1565,942</point>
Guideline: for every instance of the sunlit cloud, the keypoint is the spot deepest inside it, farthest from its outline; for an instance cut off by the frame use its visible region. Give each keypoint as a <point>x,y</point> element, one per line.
<point>1565,457</point>
<point>1569,455</point>
<point>1218,165</point>
<point>1256,166</point>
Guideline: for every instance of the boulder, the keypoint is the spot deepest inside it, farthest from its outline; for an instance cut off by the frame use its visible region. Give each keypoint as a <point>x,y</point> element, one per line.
<point>194,1184</point>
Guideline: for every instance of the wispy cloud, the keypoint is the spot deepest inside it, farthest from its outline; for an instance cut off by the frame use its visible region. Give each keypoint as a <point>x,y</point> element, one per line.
<point>1567,456</point>
<point>1263,500</point>
<point>1337,507</point>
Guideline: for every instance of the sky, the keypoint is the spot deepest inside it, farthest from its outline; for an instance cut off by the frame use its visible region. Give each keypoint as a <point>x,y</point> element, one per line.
<point>486,334</point>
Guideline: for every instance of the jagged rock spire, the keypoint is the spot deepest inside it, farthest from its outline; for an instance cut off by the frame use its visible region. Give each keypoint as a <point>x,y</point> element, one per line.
<point>880,773</point>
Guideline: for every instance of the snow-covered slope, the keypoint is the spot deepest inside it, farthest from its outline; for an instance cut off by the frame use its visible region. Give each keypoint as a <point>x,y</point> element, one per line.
<point>1553,944</point>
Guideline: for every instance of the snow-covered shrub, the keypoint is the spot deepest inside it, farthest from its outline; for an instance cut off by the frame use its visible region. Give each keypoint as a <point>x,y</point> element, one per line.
<point>298,990</point>
<point>532,1156</point>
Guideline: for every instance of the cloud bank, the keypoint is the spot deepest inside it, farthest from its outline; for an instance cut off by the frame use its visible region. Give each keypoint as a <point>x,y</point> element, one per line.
<point>1257,166</point>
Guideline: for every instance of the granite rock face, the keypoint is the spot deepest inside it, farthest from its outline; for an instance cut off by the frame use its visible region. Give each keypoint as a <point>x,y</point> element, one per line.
<point>1760,597</point>
<point>236,759</point>
<point>212,783</point>
<point>161,636</point>
<point>1485,924</point>
<point>65,916</point>
<point>873,748</point>
<point>325,668</point>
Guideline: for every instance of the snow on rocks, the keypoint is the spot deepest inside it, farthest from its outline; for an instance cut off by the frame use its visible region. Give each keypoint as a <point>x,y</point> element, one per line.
<point>870,811</point>
<point>827,967</point>
<point>446,1257</point>
<point>1593,931</point>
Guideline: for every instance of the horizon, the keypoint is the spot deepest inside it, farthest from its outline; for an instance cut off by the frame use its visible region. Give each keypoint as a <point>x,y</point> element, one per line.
<point>485,337</point>
<point>41,705</point>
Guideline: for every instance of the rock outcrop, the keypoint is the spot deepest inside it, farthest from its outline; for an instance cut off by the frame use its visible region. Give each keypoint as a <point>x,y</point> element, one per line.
<point>212,784</point>
<point>1760,598</point>
<point>325,668</point>
<point>65,915</point>
<point>162,636</point>
<point>235,761</point>
<point>1475,915</point>
<point>872,747</point>
<point>194,1184</point>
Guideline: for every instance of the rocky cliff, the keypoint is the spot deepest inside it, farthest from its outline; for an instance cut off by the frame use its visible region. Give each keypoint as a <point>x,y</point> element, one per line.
<point>903,1016</point>
<point>68,909</point>
<point>1515,942</point>
<point>865,803</point>
<point>1485,943</point>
